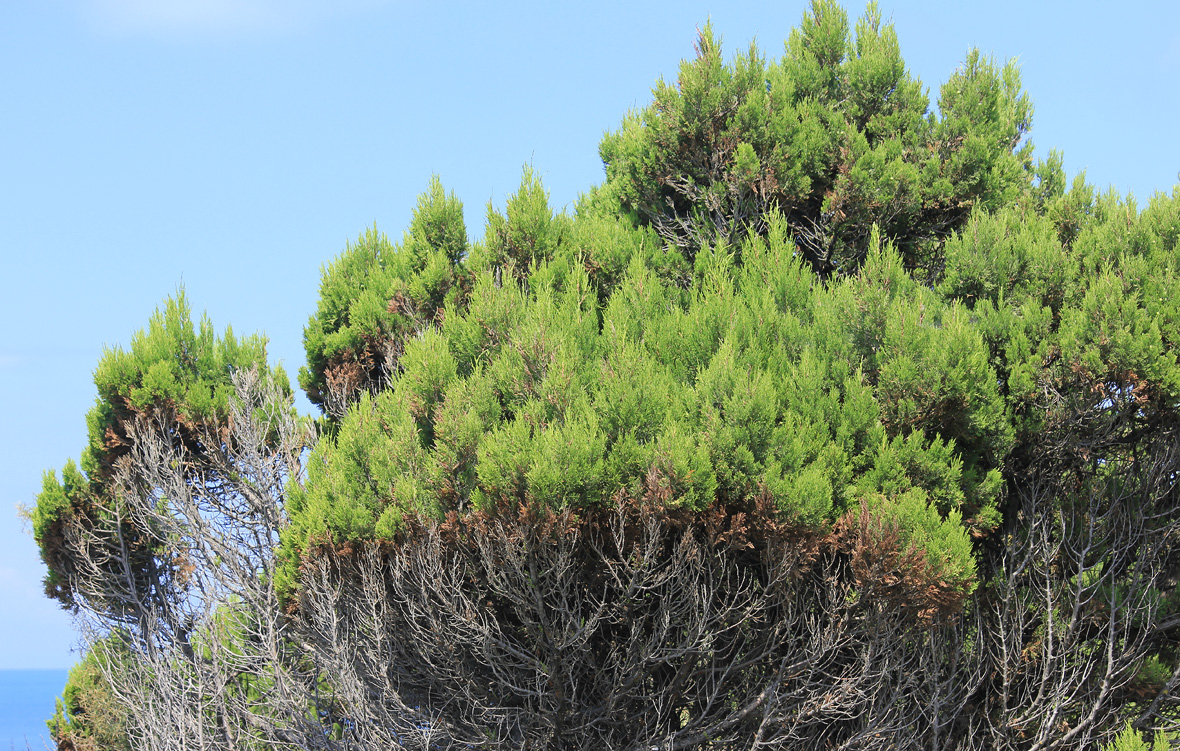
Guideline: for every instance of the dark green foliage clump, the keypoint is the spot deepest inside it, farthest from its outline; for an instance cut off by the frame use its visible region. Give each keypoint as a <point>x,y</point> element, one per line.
<point>837,136</point>
<point>376,295</point>
<point>1085,309</point>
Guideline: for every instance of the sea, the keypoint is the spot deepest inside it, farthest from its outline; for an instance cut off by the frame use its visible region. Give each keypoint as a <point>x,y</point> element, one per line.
<point>27,699</point>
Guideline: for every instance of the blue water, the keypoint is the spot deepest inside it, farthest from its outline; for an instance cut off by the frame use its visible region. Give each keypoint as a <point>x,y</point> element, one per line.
<point>26,701</point>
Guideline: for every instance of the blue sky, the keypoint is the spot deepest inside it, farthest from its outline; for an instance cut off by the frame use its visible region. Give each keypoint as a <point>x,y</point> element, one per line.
<point>234,146</point>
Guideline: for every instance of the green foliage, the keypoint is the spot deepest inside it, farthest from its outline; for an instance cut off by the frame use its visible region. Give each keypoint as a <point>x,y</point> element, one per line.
<point>757,381</point>
<point>527,234</point>
<point>625,352</point>
<point>171,364</point>
<point>1087,310</point>
<point>837,136</point>
<point>377,295</point>
<point>1132,740</point>
<point>943,540</point>
<point>172,369</point>
<point>88,716</point>
<point>801,301</point>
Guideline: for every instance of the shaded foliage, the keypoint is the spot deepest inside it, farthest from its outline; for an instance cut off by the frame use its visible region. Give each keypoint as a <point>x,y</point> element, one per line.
<point>837,136</point>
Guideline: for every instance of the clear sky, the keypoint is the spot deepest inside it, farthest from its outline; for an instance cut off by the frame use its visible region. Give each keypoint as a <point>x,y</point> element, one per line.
<point>234,146</point>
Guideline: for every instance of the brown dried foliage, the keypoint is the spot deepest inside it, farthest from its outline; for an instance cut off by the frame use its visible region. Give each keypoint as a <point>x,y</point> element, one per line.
<point>632,626</point>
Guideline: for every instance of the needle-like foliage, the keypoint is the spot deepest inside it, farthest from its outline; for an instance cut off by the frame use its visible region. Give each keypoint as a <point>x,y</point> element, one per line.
<point>827,420</point>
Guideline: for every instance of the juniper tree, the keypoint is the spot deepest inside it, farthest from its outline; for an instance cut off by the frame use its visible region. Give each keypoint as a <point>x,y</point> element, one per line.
<point>825,418</point>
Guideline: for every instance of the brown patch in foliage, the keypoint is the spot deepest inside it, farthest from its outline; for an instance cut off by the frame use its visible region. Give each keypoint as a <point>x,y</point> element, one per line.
<point>400,304</point>
<point>885,568</point>
<point>890,570</point>
<point>345,377</point>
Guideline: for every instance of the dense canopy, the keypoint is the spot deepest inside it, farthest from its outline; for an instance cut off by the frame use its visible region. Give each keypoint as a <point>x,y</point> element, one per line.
<point>827,417</point>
